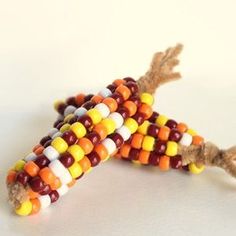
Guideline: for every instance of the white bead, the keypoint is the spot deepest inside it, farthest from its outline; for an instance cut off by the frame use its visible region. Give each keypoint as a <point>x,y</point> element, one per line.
<point>105,92</point>
<point>117,117</point>
<point>60,171</point>
<point>51,153</point>
<point>186,139</point>
<point>57,134</point>
<point>124,132</point>
<point>103,109</point>
<point>52,132</point>
<point>69,110</point>
<point>80,111</point>
<point>62,190</point>
<point>30,157</point>
<point>109,145</point>
<point>45,201</point>
<point>60,117</point>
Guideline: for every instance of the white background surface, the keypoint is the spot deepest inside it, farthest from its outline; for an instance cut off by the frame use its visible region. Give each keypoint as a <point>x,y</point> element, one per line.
<point>52,49</point>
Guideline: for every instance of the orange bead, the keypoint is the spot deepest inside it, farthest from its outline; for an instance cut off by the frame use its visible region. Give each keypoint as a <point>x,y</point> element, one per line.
<point>56,184</point>
<point>85,164</point>
<point>72,183</point>
<point>197,140</point>
<point>118,82</point>
<point>86,145</point>
<point>31,168</point>
<point>182,127</point>
<point>131,106</point>
<point>117,156</point>
<point>35,206</point>
<point>163,133</point>
<point>101,150</point>
<point>124,150</point>
<point>136,141</point>
<point>124,91</point>
<point>97,99</point>
<point>111,103</point>
<point>39,150</point>
<point>146,110</point>
<point>164,163</point>
<point>11,176</point>
<point>47,175</point>
<point>32,194</point>
<point>144,157</point>
<point>36,147</point>
<point>101,130</point>
<point>79,99</point>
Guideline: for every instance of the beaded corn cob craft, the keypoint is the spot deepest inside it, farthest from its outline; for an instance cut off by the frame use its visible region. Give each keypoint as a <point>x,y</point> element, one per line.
<point>118,122</point>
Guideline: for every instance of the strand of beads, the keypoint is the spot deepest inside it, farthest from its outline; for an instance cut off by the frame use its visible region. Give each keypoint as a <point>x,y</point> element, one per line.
<point>73,152</point>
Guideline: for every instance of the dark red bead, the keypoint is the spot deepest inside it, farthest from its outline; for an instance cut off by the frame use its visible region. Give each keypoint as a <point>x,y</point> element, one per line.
<point>71,101</point>
<point>86,121</point>
<point>89,104</point>
<point>139,117</point>
<point>133,87</point>
<point>69,137</point>
<point>154,159</point>
<point>124,112</point>
<point>44,140</point>
<point>175,135</point>
<point>118,139</point>
<point>136,100</point>
<point>66,159</point>
<point>72,120</point>
<point>153,130</point>
<point>153,117</point>
<point>60,125</point>
<point>134,154</point>
<point>37,184</point>
<point>54,195</point>
<point>22,177</point>
<point>160,147</point>
<point>118,98</point>
<point>88,97</point>
<point>46,190</point>
<point>79,176</point>
<point>111,87</point>
<point>94,158</point>
<point>94,137</point>
<point>172,124</point>
<point>186,168</point>
<point>41,161</point>
<point>61,108</point>
<point>176,162</point>
<point>56,123</point>
<point>128,79</point>
<point>48,143</point>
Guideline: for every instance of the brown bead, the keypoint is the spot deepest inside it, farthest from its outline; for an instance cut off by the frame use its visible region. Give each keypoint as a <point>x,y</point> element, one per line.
<point>71,101</point>
<point>133,87</point>
<point>60,125</point>
<point>136,100</point>
<point>118,139</point>
<point>22,177</point>
<point>160,147</point>
<point>185,168</point>
<point>139,117</point>
<point>86,121</point>
<point>118,98</point>
<point>154,159</point>
<point>66,159</point>
<point>94,158</point>
<point>134,154</point>
<point>176,162</point>
<point>175,135</point>
<point>41,161</point>
<point>111,87</point>
<point>56,123</point>
<point>37,184</point>
<point>128,79</point>
<point>72,120</point>
<point>46,190</point>
<point>153,130</point>
<point>61,108</point>
<point>124,112</point>
<point>94,137</point>
<point>48,143</point>
<point>88,105</point>
<point>69,137</point>
<point>54,196</point>
<point>44,140</point>
<point>88,97</point>
<point>153,117</point>
<point>172,124</point>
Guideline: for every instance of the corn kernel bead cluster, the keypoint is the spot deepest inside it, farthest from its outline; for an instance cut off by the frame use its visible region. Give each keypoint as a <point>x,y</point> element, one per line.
<point>50,170</point>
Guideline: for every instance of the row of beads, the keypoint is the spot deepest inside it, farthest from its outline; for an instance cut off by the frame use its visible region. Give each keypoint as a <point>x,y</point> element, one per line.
<point>59,146</point>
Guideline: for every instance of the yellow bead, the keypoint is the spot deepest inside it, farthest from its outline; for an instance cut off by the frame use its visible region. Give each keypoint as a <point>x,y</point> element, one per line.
<point>109,124</point>
<point>95,115</point>
<point>76,151</point>
<point>59,144</point>
<point>192,132</point>
<point>142,129</point>
<point>68,117</point>
<point>19,165</point>
<point>57,103</point>
<point>65,127</point>
<point>147,98</point>
<point>171,149</point>
<point>24,209</point>
<point>194,169</point>
<point>161,120</point>
<point>78,129</point>
<point>148,143</point>
<point>131,124</point>
<point>75,170</point>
